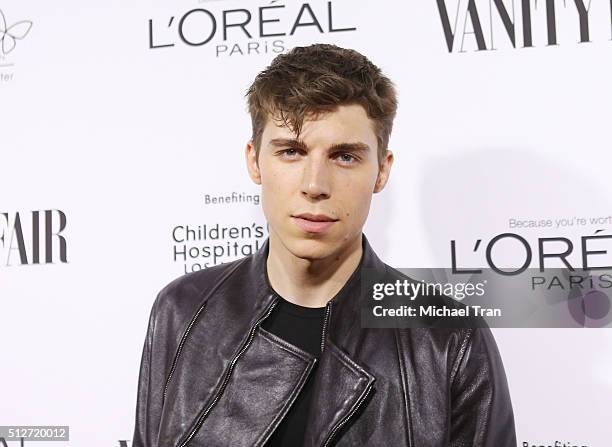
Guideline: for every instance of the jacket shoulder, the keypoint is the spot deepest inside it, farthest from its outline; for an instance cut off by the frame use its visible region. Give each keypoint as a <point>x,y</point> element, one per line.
<point>185,294</point>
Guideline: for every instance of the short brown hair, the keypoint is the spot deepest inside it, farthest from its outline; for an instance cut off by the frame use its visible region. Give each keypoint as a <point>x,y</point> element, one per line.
<point>318,78</point>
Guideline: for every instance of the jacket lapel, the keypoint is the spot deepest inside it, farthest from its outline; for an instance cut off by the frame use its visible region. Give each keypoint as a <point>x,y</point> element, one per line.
<point>262,387</point>
<point>341,387</point>
<point>343,384</point>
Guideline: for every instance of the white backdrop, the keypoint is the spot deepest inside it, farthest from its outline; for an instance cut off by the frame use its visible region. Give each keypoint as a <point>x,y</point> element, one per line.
<point>104,123</point>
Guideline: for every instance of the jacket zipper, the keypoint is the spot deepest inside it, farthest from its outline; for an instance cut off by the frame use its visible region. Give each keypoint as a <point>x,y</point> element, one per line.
<point>228,374</point>
<point>180,348</point>
<point>344,420</point>
<point>327,313</point>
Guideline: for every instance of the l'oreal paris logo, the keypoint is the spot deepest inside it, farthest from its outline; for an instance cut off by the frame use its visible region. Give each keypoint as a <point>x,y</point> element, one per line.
<point>593,252</point>
<point>248,30</point>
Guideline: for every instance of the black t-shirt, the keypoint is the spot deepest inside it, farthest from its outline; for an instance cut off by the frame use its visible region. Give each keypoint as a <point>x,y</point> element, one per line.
<point>302,327</point>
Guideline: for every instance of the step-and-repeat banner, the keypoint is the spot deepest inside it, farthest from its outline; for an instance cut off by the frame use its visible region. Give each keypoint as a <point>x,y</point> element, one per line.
<point>122,135</point>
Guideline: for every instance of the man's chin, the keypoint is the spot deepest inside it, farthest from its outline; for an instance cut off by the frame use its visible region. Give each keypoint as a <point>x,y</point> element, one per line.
<point>312,248</point>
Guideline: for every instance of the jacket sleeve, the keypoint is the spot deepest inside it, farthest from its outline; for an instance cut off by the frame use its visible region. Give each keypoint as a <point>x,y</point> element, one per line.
<point>148,401</point>
<point>481,409</point>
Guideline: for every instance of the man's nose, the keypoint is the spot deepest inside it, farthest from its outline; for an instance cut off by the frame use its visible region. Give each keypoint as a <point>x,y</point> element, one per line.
<point>316,181</point>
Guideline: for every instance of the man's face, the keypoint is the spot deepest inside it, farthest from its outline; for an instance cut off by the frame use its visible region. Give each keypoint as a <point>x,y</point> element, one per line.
<point>329,175</point>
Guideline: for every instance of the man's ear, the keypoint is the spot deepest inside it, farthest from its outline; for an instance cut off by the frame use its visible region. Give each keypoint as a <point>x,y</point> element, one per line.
<point>384,171</point>
<point>251,162</point>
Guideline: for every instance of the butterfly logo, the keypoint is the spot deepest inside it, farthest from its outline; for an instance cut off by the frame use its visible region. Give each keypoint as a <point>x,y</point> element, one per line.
<point>10,34</point>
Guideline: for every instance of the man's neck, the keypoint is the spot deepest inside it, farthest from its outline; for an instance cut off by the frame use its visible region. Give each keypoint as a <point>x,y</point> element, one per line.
<point>306,282</point>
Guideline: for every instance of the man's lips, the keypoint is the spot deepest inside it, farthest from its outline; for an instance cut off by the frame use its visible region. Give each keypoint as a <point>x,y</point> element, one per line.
<point>315,217</point>
<point>313,223</point>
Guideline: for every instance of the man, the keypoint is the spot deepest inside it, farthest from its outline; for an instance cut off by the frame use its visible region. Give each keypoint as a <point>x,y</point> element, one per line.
<point>268,350</point>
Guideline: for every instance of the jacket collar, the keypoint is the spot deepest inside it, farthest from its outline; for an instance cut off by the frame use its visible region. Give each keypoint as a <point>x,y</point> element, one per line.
<point>370,266</point>
<point>345,307</point>
<point>342,382</point>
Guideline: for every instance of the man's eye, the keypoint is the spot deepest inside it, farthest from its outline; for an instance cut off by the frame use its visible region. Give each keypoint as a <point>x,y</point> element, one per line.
<point>346,157</point>
<point>289,152</point>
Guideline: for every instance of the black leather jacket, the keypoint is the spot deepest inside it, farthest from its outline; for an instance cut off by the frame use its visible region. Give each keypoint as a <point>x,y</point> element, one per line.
<point>212,376</point>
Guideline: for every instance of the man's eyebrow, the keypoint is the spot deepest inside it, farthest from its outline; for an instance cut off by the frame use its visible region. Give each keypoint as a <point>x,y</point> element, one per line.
<point>350,147</point>
<point>345,147</point>
<point>283,142</point>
